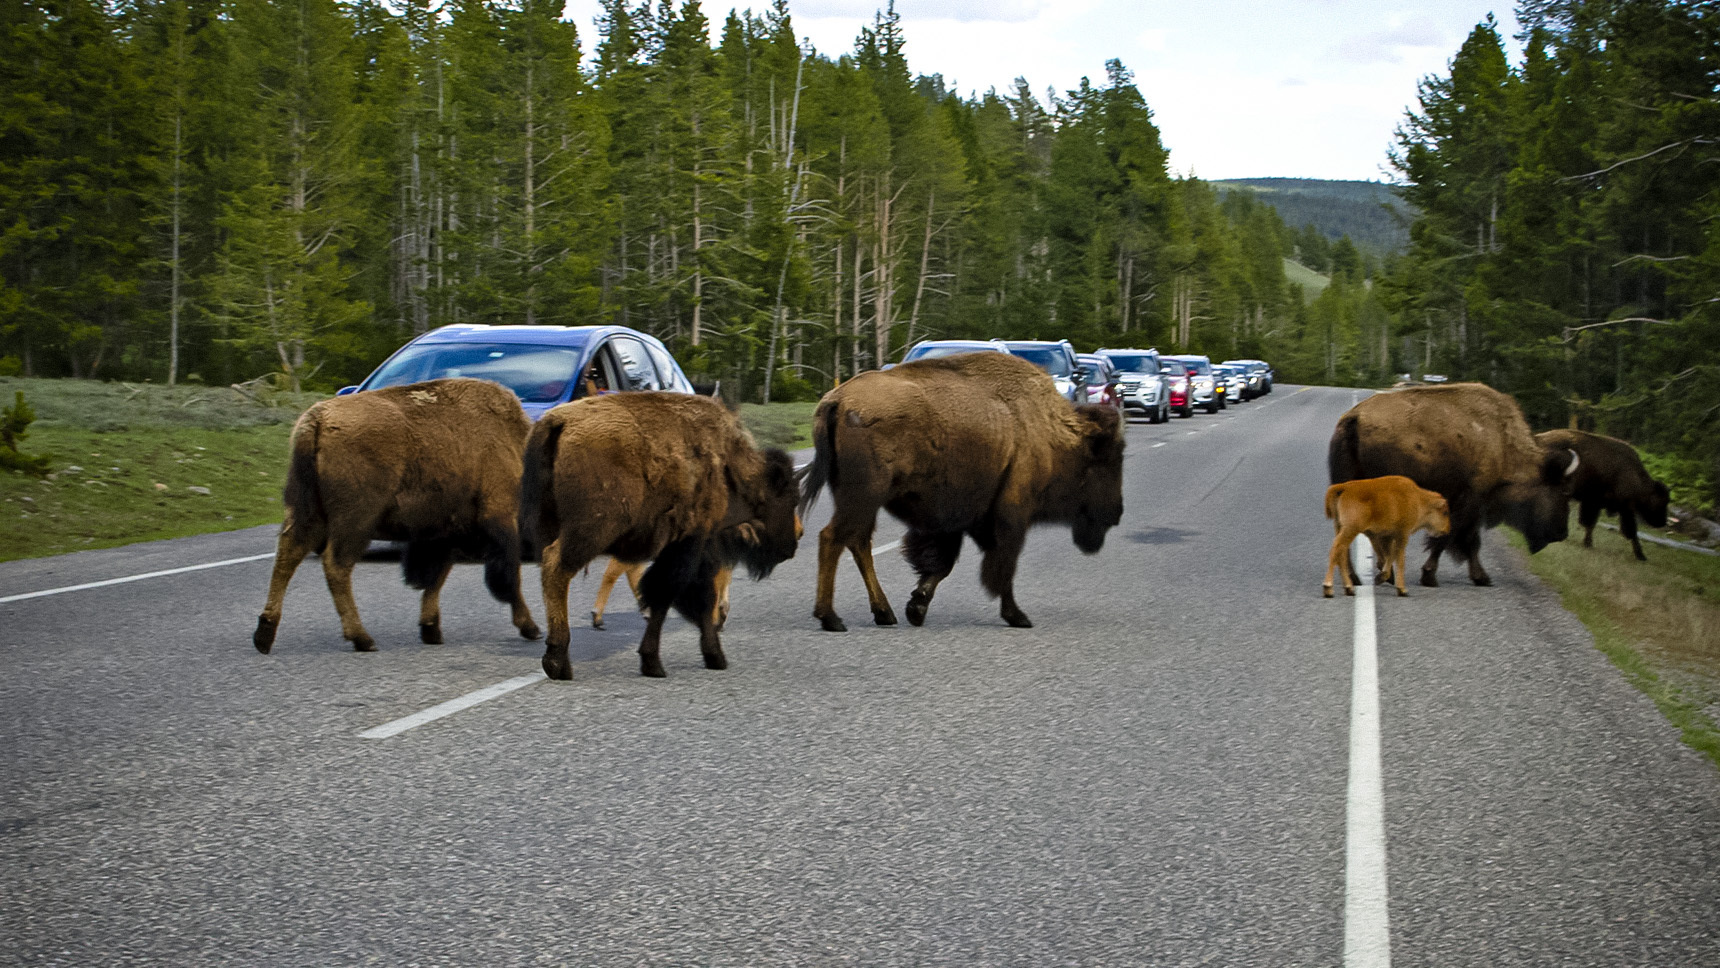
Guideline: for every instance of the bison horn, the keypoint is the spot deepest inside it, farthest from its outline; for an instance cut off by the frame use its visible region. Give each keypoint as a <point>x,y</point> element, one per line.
<point>1575,460</point>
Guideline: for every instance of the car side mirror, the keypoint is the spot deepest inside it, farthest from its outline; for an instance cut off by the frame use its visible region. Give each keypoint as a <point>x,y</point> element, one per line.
<point>1081,374</point>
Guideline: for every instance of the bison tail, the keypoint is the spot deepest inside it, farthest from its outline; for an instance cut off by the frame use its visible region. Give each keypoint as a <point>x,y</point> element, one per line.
<point>539,521</point>
<point>1332,501</point>
<point>502,566</point>
<point>822,469</point>
<point>303,493</point>
<point>1343,454</point>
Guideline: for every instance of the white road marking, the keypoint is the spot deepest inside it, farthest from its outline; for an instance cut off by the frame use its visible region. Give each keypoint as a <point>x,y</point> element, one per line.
<point>1159,444</point>
<point>130,578</point>
<point>880,549</point>
<point>1367,935</point>
<point>452,706</point>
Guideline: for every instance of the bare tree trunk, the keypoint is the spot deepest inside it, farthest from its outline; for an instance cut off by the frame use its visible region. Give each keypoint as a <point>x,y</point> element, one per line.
<point>925,263</point>
<point>173,295</point>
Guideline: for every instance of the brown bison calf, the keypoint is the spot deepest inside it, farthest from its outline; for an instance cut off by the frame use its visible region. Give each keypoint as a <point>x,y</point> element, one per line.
<point>1610,478</point>
<point>668,478</point>
<point>634,571</point>
<point>1388,510</point>
<point>979,443</point>
<point>435,465</point>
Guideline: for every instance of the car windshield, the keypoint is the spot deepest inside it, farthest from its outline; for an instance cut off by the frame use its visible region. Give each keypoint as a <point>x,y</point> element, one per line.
<point>537,373</point>
<point>1134,363</point>
<point>1200,367</point>
<point>934,350</point>
<point>1054,362</point>
<point>1097,375</point>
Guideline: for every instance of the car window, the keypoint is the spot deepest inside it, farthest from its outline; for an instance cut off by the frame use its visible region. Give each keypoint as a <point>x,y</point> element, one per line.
<point>1052,361</point>
<point>1098,374</point>
<point>671,374</point>
<point>637,370</point>
<point>932,351</point>
<point>535,372</point>
<point>1134,362</point>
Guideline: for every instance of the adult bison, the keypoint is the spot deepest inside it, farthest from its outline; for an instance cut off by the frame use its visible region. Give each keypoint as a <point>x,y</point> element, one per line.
<point>1611,478</point>
<point>668,478</point>
<point>435,465</point>
<point>980,443</point>
<point>1469,443</point>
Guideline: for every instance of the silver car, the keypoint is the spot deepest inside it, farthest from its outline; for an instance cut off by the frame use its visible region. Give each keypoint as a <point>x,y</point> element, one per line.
<point>1145,390</point>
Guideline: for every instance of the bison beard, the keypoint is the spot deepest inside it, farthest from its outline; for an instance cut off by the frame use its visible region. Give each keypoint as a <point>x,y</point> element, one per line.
<point>667,478</point>
<point>1470,444</point>
<point>978,445</point>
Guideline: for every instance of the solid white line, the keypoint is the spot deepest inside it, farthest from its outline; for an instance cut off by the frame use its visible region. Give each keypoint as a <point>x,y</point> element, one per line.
<point>1367,935</point>
<point>452,706</point>
<point>121,581</point>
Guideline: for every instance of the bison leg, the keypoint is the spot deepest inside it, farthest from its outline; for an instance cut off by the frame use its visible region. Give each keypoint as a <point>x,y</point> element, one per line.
<point>338,559</point>
<point>290,550</point>
<point>1430,568</point>
<point>1627,527</point>
<point>611,574</point>
<point>720,612</point>
<point>933,556</point>
<point>997,571</point>
<point>829,556</point>
<point>555,578</point>
<point>1339,559</point>
<point>1588,514</point>
<point>662,586</point>
<point>430,606</point>
<point>650,665</point>
<point>698,602</point>
<point>882,614</point>
<point>1400,548</point>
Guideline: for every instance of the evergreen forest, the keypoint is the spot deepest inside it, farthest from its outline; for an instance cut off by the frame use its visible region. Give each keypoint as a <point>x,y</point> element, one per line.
<point>225,190</point>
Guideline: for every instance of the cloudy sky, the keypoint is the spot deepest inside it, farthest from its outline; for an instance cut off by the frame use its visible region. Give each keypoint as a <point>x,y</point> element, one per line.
<point>1240,88</point>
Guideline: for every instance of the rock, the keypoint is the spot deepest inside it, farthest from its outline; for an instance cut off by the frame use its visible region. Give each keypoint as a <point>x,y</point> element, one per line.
<point>160,486</point>
<point>199,490</point>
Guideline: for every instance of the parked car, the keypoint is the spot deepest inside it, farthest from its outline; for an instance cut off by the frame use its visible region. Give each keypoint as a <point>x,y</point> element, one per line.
<point>1233,380</point>
<point>1055,357</point>
<point>928,348</point>
<point>1259,376</point>
<point>1144,388</point>
<point>543,365</point>
<point>1200,382</point>
<point>1176,388</point>
<point>1103,385</point>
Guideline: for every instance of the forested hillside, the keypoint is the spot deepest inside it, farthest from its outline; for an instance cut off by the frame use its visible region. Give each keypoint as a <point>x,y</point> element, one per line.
<point>1369,213</point>
<point>209,190</point>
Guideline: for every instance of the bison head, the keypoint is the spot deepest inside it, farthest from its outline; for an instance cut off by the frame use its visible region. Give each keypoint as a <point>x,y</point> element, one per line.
<point>1096,504</point>
<point>771,530</point>
<point>1652,509</point>
<point>1542,509</point>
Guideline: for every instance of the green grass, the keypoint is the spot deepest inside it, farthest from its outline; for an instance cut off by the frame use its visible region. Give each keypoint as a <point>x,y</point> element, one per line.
<point>785,425</point>
<point>137,450</point>
<point>1658,621</point>
<point>1312,282</point>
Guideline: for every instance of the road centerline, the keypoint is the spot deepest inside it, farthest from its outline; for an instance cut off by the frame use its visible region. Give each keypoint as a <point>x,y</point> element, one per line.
<point>1367,936</point>
<point>452,706</point>
<point>131,578</point>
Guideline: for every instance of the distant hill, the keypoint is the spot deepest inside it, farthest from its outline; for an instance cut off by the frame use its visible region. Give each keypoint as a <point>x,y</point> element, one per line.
<point>1370,213</point>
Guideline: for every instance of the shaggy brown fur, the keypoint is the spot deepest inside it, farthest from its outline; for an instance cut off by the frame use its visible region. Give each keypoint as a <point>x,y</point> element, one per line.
<point>1611,478</point>
<point>662,477</point>
<point>1388,510</point>
<point>1468,442</point>
<point>979,443</point>
<point>434,464</point>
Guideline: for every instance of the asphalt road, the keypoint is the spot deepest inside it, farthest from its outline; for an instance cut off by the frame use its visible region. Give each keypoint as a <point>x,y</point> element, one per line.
<point>1155,774</point>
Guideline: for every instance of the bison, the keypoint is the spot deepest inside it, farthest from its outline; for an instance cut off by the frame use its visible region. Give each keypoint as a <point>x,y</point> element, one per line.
<point>634,571</point>
<point>979,443</point>
<point>1611,478</point>
<point>668,478</point>
<point>1388,510</point>
<point>435,465</point>
<point>1469,443</point>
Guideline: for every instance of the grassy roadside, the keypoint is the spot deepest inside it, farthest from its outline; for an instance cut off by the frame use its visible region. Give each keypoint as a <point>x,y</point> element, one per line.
<point>1658,621</point>
<point>126,458</point>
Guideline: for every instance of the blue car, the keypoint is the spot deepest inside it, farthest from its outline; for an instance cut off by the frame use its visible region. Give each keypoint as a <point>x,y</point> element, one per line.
<point>543,365</point>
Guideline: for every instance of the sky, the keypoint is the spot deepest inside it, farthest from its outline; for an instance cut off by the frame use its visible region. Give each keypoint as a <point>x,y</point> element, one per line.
<point>1239,88</point>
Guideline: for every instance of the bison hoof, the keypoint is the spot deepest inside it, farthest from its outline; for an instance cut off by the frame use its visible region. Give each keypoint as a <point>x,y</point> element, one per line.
<point>1349,591</point>
<point>1403,593</point>
<point>885,617</point>
<point>831,623</point>
<point>651,667</point>
<point>917,606</point>
<point>1429,579</point>
<point>1018,619</point>
<point>596,620</point>
<point>718,662</point>
<point>530,631</point>
<point>1483,580</point>
<point>264,637</point>
<point>430,634</point>
<point>557,668</point>
<point>1325,591</point>
<point>363,643</point>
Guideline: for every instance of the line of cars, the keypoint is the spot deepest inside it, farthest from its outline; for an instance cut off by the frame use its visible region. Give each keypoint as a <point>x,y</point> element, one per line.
<point>1144,383</point>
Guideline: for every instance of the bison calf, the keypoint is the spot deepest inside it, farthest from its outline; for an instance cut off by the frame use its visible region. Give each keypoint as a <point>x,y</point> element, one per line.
<point>435,465</point>
<point>1388,510</point>
<point>668,478</point>
<point>1610,478</point>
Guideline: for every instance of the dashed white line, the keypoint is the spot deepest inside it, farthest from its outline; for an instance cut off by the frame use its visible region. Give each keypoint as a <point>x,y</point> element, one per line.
<point>452,706</point>
<point>130,578</point>
<point>1159,444</point>
<point>1367,936</point>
